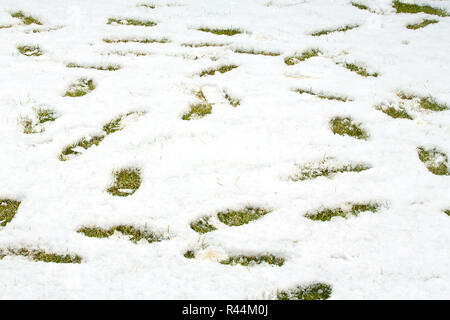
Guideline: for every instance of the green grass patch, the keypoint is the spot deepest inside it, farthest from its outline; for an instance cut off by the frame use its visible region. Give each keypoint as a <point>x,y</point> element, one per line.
<point>232,101</point>
<point>202,225</point>
<point>5,26</point>
<point>80,88</point>
<point>360,6</point>
<point>312,170</point>
<point>189,254</point>
<point>359,70</point>
<point>322,95</point>
<point>85,143</point>
<point>29,127</point>
<point>226,32</point>
<point>126,182</point>
<point>394,112</point>
<point>355,209</point>
<point>197,111</point>
<point>339,29</point>
<point>109,67</point>
<point>30,50</point>
<point>25,19</point>
<point>44,29</point>
<point>422,24</point>
<point>36,125</point>
<point>41,255</point>
<point>45,115</point>
<point>257,52</point>
<point>221,69</point>
<point>135,234</point>
<point>132,22</point>
<point>147,5</point>
<point>309,53</point>
<point>402,7</point>
<point>241,216</point>
<point>252,260</point>
<point>447,212</point>
<point>114,125</point>
<point>127,53</point>
<point>146,40</point>
<point>203,44</point>
<point>435,161</point>
<point>314,291</point>
<point>428,103</point>
<point>55,258</point>
<point>8,209</point>
<point>200,95</point>
<point>347,127</point>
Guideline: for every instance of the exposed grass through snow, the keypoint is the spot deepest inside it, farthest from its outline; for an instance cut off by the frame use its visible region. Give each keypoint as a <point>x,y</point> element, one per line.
<point>359,70</point>
<point>134,234</point>
<point>257,52</point>
<point>202,225</point>
<point>131,22</point>
<point>126,182</point>
<point>145,40</point>
<point>8,209</point>
<point>86,142</point>
<point>403,7</point>
<point>309,53</point>
<point>30,50</point>
<point>221,69</point>
<point>242,216</point>
<point>435,161</point>
<point>27,20</point>
<point>360,6</point>
<point>203,44</point>
<point>80,88</point>
<point>218,31</point>
<point>40,255</point>
<point>252,260</point>
<point>108,67</point>
<point>315,291</point>
<point>345,126</point>
<point>393,112</point>
<point>422,24</point>
<point>198,110</point>
<point>189,254</point>
<point>232,101</point>
<point>427,103</point>
<point>332,30</point>
<point>35,125</point>
<point>352,209</point>
<point>323,168</point>
<point>323,95</point>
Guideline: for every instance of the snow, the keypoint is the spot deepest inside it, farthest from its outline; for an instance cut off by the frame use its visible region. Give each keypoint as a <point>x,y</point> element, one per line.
<point>228,159</point>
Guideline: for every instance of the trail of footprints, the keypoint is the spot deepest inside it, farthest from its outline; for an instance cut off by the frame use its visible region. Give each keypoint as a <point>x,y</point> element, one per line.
<point>128,180</point>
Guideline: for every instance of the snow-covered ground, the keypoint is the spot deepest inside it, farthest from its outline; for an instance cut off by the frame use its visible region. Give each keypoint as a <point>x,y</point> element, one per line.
<point>233,157</point>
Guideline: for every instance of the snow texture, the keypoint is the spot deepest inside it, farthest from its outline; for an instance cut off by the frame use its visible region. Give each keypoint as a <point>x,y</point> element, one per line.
<point>231,158</point>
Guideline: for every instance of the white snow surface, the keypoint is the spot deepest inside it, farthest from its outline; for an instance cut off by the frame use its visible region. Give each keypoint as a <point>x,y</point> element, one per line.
<point>228,159</point>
